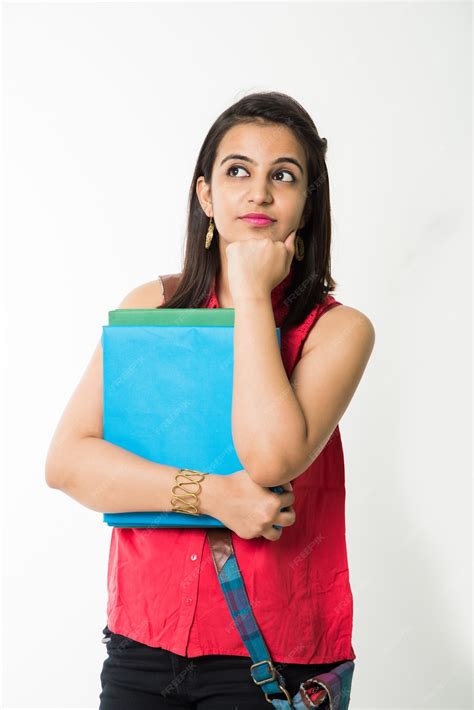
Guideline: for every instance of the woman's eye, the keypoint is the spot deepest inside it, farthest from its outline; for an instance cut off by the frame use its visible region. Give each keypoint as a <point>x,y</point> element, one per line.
<point>279,172</point>
<point>235,167</point>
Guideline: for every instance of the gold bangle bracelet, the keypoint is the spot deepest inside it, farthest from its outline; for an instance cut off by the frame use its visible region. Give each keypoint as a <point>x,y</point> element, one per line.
<point>179,504</point>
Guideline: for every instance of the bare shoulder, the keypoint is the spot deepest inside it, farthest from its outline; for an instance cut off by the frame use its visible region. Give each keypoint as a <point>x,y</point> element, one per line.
<point>146,295</point>
<point>339,324</point>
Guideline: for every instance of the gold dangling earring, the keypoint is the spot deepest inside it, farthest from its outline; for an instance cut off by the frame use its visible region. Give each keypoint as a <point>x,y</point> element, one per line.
<point>210,233</point>
<point>299,248</point>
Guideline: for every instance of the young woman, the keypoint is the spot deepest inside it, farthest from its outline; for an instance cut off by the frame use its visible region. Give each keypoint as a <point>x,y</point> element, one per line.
<point>258,241</point>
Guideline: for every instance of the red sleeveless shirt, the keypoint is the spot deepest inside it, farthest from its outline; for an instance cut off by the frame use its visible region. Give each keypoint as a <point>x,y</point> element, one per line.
<point>163,589</point>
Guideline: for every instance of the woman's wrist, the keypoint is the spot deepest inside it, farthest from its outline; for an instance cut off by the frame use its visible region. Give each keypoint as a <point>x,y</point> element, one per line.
<point>197,492</point>
<point>212,494</point>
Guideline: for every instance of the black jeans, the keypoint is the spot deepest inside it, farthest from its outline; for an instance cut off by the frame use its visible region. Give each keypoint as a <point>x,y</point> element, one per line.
<point>139,677</point>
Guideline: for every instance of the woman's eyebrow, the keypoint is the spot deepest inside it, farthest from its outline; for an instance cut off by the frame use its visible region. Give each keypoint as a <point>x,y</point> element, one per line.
<point>283,159</point>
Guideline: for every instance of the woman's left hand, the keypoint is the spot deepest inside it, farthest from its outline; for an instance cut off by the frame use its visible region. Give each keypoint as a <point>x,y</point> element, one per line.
<point>256,266</point>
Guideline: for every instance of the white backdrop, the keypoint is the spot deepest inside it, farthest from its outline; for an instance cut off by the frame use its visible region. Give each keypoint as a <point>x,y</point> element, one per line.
<point>105,108</point>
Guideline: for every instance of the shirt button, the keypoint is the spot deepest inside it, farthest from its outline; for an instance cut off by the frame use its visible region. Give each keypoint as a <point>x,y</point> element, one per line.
<point>194,557</point>
<point>189,600</point>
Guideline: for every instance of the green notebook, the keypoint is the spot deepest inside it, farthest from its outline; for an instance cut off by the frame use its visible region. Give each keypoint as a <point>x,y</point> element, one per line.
<point>172,316</point>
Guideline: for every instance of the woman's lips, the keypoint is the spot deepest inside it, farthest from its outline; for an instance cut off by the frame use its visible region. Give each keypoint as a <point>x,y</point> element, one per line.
<point>257,222</point>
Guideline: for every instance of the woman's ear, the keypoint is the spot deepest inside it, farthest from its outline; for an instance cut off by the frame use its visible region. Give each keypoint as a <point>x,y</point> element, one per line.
<point>203,192</point>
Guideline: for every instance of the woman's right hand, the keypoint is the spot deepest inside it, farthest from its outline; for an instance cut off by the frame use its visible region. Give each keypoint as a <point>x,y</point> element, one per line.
<point>251,510</point>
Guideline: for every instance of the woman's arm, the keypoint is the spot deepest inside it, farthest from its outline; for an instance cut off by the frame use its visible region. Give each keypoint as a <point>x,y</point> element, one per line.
<point>110,479</point>
<point>265,412</point>
<point>280,426</point>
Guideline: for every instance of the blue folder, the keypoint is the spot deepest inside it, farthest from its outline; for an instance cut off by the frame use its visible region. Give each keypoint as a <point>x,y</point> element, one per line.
<point>167,395</point>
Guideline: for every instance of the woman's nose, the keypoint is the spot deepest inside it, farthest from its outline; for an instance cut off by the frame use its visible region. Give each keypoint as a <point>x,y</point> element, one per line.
<point>260,191</point>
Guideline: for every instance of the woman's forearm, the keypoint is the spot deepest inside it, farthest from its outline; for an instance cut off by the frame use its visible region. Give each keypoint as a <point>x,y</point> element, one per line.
<point>266,417</point>
<point>110,479</point>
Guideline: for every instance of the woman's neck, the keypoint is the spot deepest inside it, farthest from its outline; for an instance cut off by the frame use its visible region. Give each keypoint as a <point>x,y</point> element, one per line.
<point>223,294</point>
<point>222,289</point>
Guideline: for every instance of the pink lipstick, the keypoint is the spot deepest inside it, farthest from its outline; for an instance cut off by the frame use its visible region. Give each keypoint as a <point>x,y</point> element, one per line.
<point>258,219</point>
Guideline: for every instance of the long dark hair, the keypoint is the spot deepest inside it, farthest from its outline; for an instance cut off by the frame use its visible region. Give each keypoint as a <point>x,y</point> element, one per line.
<point>312,278</point>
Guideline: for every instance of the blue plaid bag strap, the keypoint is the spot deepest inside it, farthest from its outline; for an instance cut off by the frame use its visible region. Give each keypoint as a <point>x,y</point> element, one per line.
<point>262,670</point>
<point>336,683</point>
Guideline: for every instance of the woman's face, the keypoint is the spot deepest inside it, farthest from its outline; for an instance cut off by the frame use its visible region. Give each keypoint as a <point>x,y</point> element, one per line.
<point>254,182</point>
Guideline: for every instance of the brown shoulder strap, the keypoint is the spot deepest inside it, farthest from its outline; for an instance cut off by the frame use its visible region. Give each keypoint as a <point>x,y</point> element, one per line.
<point>170,283</point>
